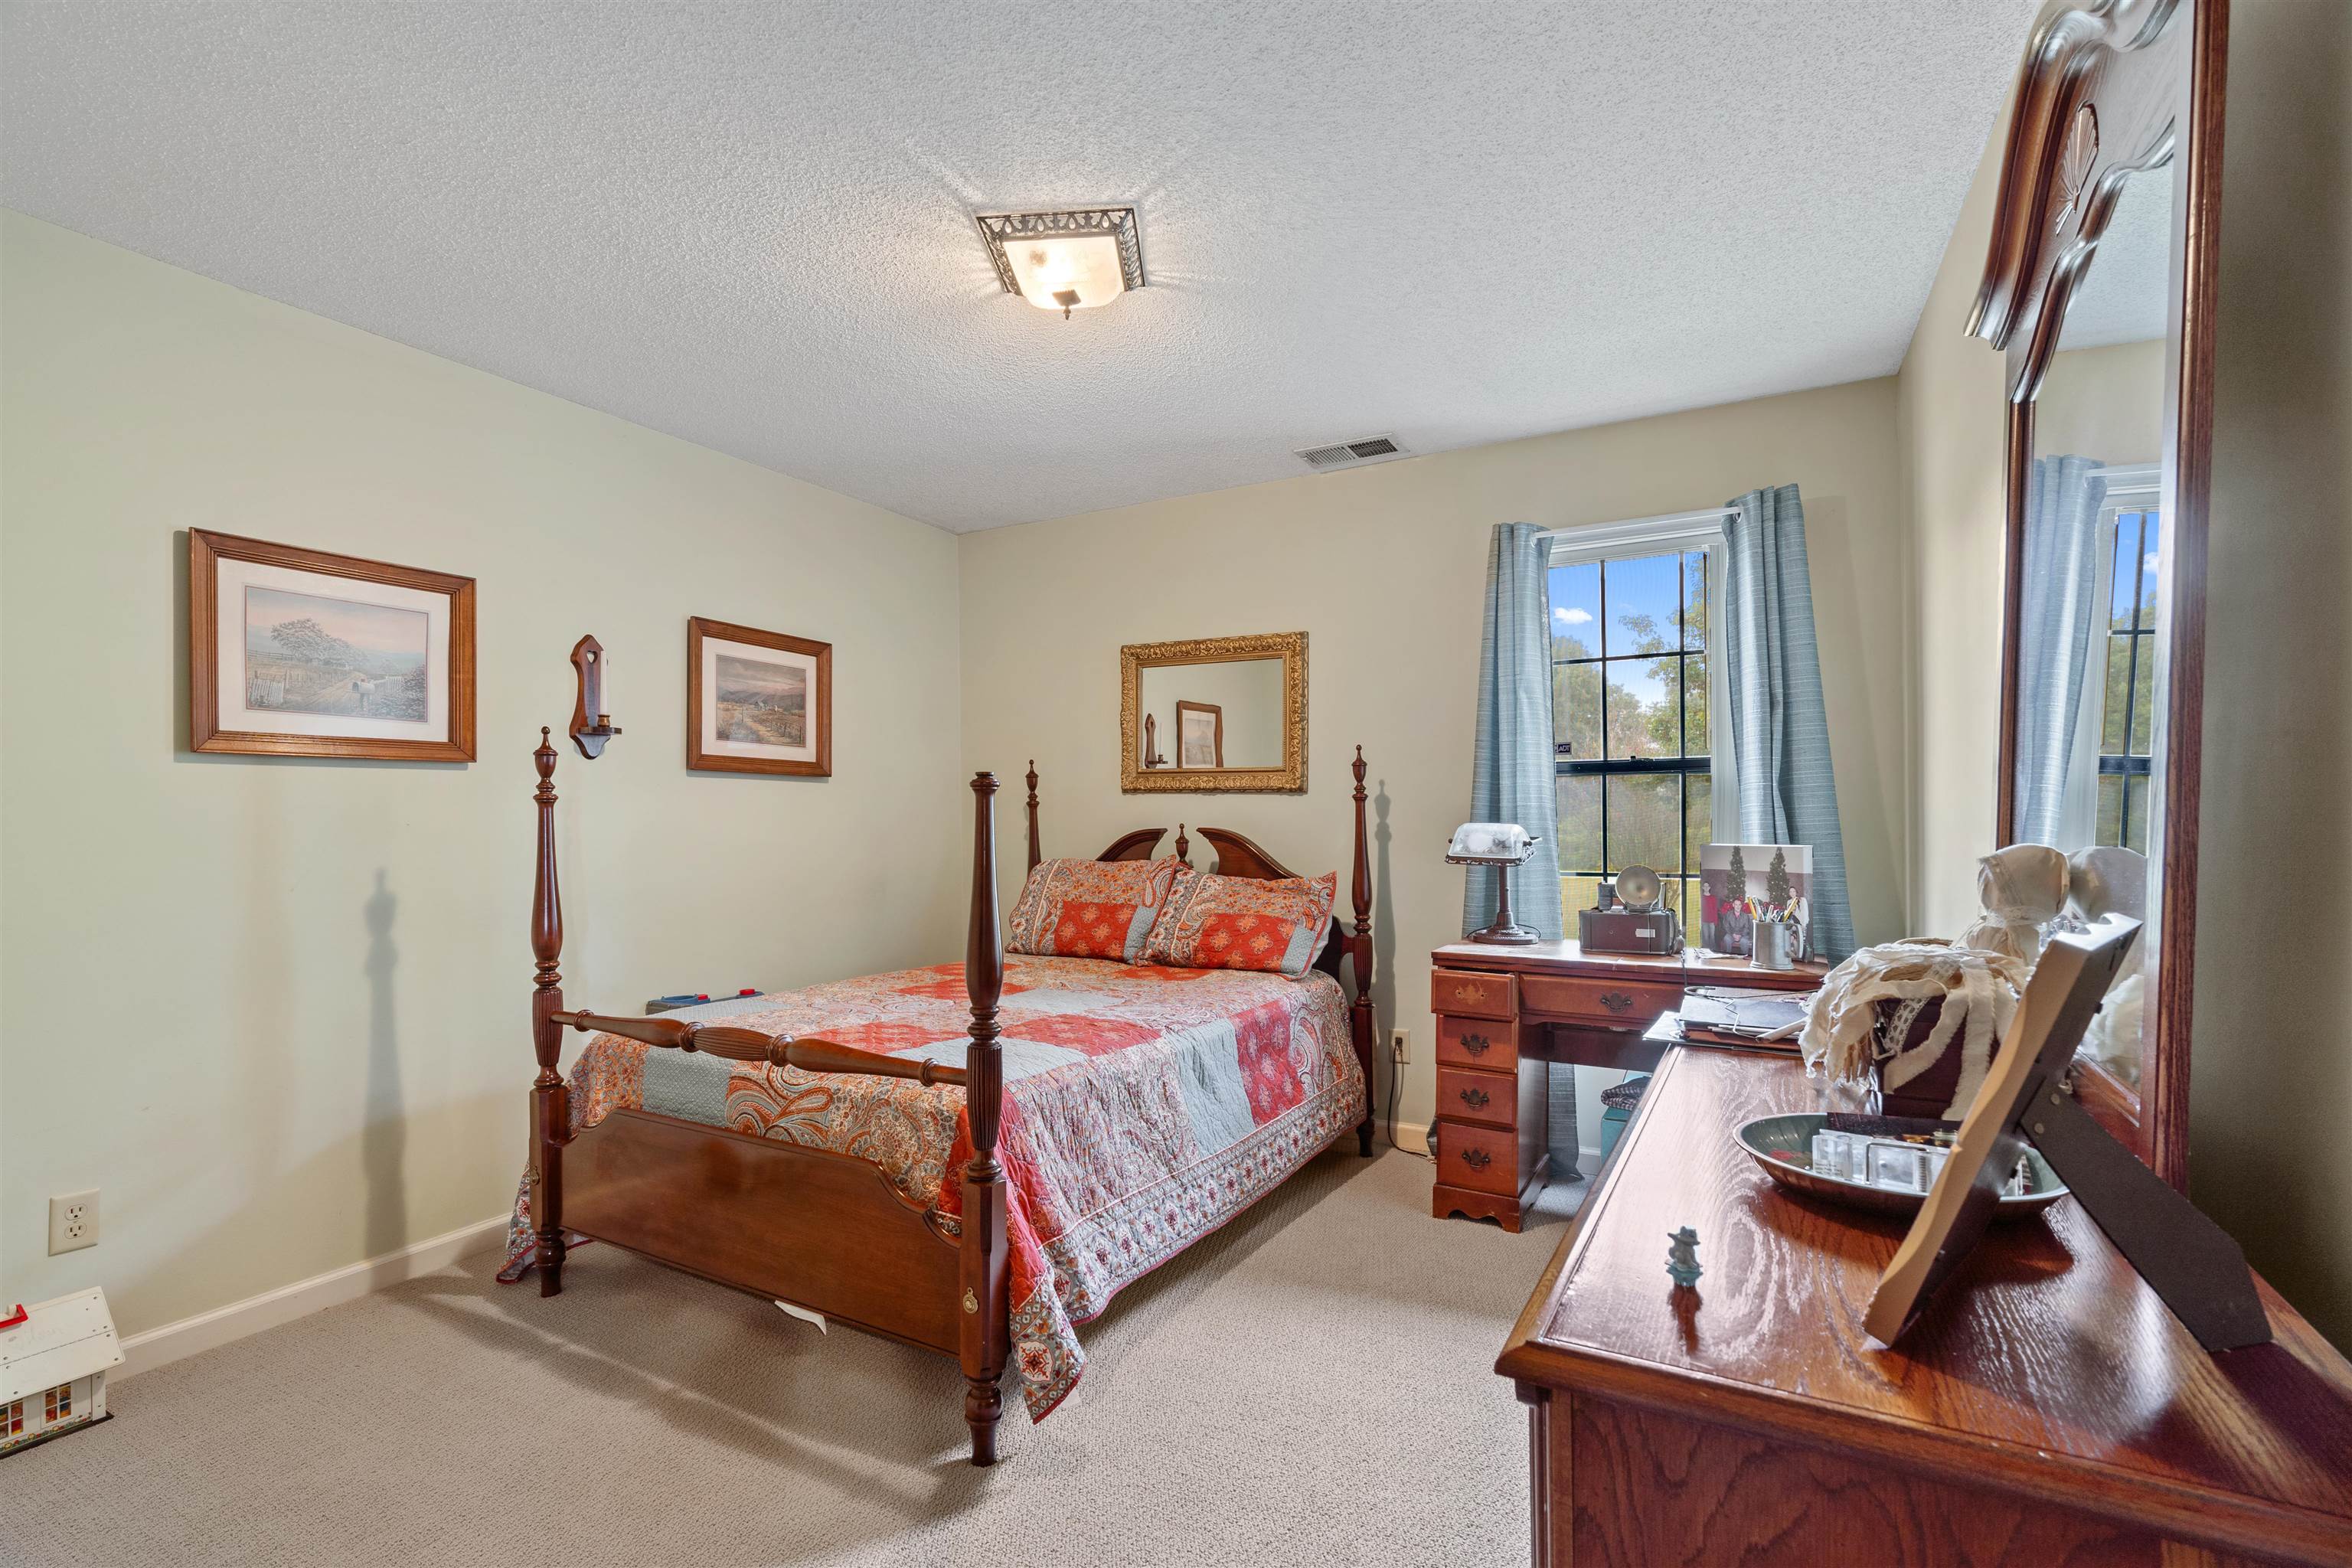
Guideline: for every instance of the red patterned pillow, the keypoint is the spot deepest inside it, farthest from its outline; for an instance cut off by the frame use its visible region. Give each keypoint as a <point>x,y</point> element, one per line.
<point>1063,906</point>
<point>1240,923</point>
<point>1093,931</point>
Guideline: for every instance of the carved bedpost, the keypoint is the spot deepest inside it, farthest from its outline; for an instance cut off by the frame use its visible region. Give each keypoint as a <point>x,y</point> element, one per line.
<point>1036,852</point>
<point>1183,845</point>
<point>550,1120</point>
<point>1360,950</point>
<point>986,1324</point>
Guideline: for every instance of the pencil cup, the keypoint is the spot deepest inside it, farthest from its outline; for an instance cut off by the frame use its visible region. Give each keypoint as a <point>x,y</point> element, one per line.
<point>1773,941</point>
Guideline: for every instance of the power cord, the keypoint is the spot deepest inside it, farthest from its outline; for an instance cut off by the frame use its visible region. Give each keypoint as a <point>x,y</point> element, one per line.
<point>1396,1079</point>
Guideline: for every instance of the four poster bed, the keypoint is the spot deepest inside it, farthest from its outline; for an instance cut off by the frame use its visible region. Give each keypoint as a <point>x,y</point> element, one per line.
<point>823,1148</point>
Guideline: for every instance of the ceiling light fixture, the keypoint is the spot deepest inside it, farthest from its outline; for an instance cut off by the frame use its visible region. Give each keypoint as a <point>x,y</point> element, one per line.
<point>1065,260</point>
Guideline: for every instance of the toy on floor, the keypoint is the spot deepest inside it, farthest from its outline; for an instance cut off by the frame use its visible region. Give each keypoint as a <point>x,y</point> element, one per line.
<point>54,1358</point>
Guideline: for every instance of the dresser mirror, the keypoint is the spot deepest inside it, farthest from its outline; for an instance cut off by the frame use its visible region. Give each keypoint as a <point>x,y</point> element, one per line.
<point>1214,715</point>
<point>2098,287</point>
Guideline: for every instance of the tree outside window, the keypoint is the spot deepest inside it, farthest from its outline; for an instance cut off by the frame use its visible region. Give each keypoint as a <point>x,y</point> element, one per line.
<point>1630,719</point>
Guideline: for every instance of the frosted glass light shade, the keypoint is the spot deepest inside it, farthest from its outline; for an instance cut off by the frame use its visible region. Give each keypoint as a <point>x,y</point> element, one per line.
<point>1071,271</point>
<point>1068,261</point>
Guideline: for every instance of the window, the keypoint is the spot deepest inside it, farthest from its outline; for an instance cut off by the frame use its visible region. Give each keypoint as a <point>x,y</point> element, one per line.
<point>12,1419</point>
<point>1630,672</point>
<point>2127,710</point>
<point>58,1402</point>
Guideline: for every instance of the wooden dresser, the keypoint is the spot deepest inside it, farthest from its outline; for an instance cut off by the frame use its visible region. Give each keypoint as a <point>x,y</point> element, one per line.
<point>2047,1413</point>
<point>1498,1007</point>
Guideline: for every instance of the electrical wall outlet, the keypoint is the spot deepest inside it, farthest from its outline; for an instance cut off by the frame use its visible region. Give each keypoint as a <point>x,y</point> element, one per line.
<point>73,1222</point>
<point>1397,1046</point>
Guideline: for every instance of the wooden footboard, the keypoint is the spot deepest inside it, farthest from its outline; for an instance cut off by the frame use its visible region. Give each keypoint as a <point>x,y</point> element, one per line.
<point>818,1229</point>
<point>821,1230</point>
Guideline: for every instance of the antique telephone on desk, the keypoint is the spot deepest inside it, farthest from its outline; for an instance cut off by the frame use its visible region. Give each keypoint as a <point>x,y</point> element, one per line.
<point>1630,917</point>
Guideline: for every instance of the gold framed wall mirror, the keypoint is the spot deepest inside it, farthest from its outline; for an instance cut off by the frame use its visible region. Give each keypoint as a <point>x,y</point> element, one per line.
<point>1216,715</point>
<point>2099,289</point>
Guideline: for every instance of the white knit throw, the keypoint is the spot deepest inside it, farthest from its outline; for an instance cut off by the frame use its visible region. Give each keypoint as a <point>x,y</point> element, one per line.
<point>1978,992</point>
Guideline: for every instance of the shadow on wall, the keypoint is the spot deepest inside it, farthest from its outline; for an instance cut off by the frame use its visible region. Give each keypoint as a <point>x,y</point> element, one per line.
<point>384,1137</point>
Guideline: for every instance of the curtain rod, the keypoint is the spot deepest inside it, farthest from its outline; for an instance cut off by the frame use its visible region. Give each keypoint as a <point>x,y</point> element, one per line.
<point>1661,521</point>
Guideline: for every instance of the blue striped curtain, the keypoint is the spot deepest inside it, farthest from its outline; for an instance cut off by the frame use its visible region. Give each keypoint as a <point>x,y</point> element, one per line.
<point>2053,646</point>
<point>1511,757</point>
<point>1511,766</point>
<point>1779,728</point>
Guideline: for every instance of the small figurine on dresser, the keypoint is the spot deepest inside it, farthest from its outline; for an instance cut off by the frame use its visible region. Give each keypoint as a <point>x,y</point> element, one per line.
<point>1681,1258</point>
<point>2021,888</point>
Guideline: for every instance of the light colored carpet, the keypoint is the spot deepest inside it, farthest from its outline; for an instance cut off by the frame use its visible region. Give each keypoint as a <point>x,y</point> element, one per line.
<point>1313,1385</point>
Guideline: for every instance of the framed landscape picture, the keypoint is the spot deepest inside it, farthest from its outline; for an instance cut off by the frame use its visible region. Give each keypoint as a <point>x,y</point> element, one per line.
<point>757,703</point>
<point>298,653</point>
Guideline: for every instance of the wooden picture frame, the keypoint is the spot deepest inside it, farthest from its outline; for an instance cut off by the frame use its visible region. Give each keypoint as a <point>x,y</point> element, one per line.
<point>749,729</point>
<point>1217,740</point>
<point>355,633</point>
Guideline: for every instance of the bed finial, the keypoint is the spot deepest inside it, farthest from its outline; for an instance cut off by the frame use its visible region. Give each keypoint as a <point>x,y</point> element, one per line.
<point>1183,845</point>
<point>1035,853</point>
<point>984,1325</point>
<point>1360,954</point>
<point>550,1120</point>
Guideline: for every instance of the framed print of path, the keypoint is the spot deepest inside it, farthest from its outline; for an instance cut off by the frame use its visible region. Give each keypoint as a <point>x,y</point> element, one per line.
<point>300,653</point>
<point>757,701</point>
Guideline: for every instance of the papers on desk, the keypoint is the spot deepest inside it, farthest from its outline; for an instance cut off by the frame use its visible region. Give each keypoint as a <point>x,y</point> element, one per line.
<point>1742,1016</point>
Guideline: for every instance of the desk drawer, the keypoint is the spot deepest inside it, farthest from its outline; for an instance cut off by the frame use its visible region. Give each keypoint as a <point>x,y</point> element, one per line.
<point>1483,1159</point>
<point>1485,1097</point>
<point>1479,1042</point>
<point>1471,995</point>
<point>1630,1004</point>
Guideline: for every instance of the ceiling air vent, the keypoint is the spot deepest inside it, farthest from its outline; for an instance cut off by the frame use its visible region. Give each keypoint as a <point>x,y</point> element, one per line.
<point>1372,448</point>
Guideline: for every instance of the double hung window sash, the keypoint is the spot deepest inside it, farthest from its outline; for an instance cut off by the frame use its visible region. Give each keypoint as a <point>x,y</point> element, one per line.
<point>1642,770</point>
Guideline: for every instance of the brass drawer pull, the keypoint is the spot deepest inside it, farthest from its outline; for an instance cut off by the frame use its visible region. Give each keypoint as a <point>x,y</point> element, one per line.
<point>1616,1001</point>
<point>1477,1159</point>
<point>1476,1098</point>
<point>1476,1044</point>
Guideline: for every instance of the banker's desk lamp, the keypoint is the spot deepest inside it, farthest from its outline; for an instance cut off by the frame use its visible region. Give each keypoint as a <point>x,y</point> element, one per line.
<point>1502,845</point>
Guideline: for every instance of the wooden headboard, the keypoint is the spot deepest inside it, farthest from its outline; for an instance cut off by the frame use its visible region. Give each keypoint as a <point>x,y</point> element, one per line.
<point>1238,855</point>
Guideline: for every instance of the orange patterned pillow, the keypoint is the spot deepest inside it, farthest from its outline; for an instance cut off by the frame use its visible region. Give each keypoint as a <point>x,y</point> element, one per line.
<point>1093,931</point>
<point>1063,904</point>
<point>1240,923</point>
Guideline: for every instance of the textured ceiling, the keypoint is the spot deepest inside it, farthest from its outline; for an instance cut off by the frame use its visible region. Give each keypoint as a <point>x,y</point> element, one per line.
<point>749,225</point>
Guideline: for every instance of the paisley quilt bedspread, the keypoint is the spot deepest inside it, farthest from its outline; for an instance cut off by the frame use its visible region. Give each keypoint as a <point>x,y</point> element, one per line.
<point>1144,1108</point>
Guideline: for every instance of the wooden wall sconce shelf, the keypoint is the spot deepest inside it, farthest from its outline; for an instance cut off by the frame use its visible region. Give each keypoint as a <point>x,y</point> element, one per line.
<point>588,661</point>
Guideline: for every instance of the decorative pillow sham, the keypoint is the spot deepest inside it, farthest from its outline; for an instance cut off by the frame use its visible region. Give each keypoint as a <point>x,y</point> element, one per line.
<point>1241,922</point>
<point>1090,909</point>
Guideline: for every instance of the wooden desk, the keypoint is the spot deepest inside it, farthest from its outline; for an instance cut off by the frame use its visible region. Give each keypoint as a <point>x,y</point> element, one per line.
<point>2048,1410</point>
<point>1500,1007</point>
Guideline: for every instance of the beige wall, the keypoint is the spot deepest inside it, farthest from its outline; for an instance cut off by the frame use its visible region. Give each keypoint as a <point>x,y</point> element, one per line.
<point>1384,568</point>
<point>2271,1078</point>
<point>2105,403</point>
<point>1949,417</point>
<point>275,1010</point>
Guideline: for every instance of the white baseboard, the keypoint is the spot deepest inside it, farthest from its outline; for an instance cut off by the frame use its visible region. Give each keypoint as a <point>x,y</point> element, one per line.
<point>1413,1137</point>
<point>207,1331</point>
